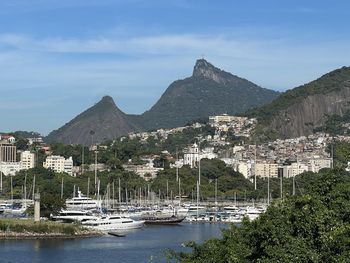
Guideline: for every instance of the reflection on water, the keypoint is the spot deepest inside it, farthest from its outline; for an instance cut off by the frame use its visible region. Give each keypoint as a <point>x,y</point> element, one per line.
<point>141,245</point>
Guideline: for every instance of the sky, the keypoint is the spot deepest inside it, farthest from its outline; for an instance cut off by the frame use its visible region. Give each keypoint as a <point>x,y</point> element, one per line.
<point>59,57</point>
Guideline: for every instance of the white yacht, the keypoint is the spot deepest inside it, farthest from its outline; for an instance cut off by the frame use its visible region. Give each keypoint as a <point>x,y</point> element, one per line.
<point>113,222</point>
<point>73,216</point>
<point>253,212</point>
<point>231,209</point>
<point>82,202</point>
<point>191,210</point>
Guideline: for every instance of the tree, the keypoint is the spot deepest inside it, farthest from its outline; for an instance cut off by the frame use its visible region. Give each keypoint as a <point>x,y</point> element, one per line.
<point>313,227</point>
<point>50,204</point>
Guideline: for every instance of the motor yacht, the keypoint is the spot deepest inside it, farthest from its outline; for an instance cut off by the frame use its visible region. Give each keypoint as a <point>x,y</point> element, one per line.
<point>82,202</point>
<point>73,216</point>
<point>113,222</point>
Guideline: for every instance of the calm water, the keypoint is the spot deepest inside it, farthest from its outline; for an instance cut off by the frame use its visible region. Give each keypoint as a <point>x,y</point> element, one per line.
<point>142,245</point>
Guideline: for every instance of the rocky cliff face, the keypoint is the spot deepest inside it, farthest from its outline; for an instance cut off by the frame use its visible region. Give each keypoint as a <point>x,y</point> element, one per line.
<point>302,118</point>
<point>299,111</point>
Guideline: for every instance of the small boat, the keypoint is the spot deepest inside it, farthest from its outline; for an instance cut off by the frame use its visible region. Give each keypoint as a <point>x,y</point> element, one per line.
<point>116,234</point>
<point>172,220</point>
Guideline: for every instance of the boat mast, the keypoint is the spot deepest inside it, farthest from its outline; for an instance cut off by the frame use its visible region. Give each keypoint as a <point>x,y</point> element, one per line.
<point>113,193</point>
<point>177,167</point>
<point>179,191</point>
<point>33,187</point>
<point>119,193</point>
<point>235,195</point>
<point>126,195</point>
<point>197,198</point>
<point>255,168</point>
<point>98,190</point>
<point>61,189</point>
<point>216,194</point>
<point>88,187</point>
<point>199,163</point>
<point>82,160</point>
<point>25,190</point>
<point>95,169</point>
<point>140,195</point>
<point>268,189</point>
<point>11,189</point>
<point>167,190</point>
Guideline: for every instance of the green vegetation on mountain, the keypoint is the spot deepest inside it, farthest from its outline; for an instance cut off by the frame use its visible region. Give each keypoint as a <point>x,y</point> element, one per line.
<point>311,227</point>
<point>209,91</point>
<point>103,121</point>
<point>335,124</point>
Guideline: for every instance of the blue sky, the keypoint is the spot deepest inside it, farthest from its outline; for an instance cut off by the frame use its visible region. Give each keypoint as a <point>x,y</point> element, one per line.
<point>59,57</point>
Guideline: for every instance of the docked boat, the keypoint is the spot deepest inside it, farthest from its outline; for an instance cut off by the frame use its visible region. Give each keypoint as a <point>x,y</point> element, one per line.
<point>82,202</point>
<point>191,210</point>
<point>253,212</point>
<point>69,216</point>
<point>113,222</point>
<point>231,209</point>
<point>172,220</point>
<point>12,209</point>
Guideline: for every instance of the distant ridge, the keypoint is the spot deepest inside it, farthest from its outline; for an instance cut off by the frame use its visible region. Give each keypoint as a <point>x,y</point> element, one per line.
<point>207,92</point>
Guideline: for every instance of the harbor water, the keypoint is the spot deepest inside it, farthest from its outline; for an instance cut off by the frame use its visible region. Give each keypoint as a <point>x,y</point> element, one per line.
<point>141,245</point>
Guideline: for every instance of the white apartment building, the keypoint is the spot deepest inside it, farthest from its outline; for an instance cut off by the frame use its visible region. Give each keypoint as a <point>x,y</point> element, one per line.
<point>146,171</point>
<point>245,168</point>
<point>294,169</point>
<point>59,164</point>
<point>225,118</point>
<point>27,160</point>
<point>317,164</point>
<point>265,169</point>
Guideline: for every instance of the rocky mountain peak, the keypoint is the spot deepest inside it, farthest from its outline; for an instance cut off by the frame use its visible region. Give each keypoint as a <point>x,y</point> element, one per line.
<point>107,100</point>
<point>203,68</point>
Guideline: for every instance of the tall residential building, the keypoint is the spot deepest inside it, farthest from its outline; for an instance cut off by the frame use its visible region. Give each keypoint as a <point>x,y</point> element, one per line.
<point>27,160</point>
<point>59,164</point>
<point>8,153</point>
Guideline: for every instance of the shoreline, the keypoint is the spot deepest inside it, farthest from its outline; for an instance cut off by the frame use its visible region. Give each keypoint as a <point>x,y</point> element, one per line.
<point>17,229</point>
<point>29,235</point>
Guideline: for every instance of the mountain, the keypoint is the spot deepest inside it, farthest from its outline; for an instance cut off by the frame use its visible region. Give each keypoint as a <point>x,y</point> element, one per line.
<point>301,110</point>
<point>208,91</point>
<point>100,122</point>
